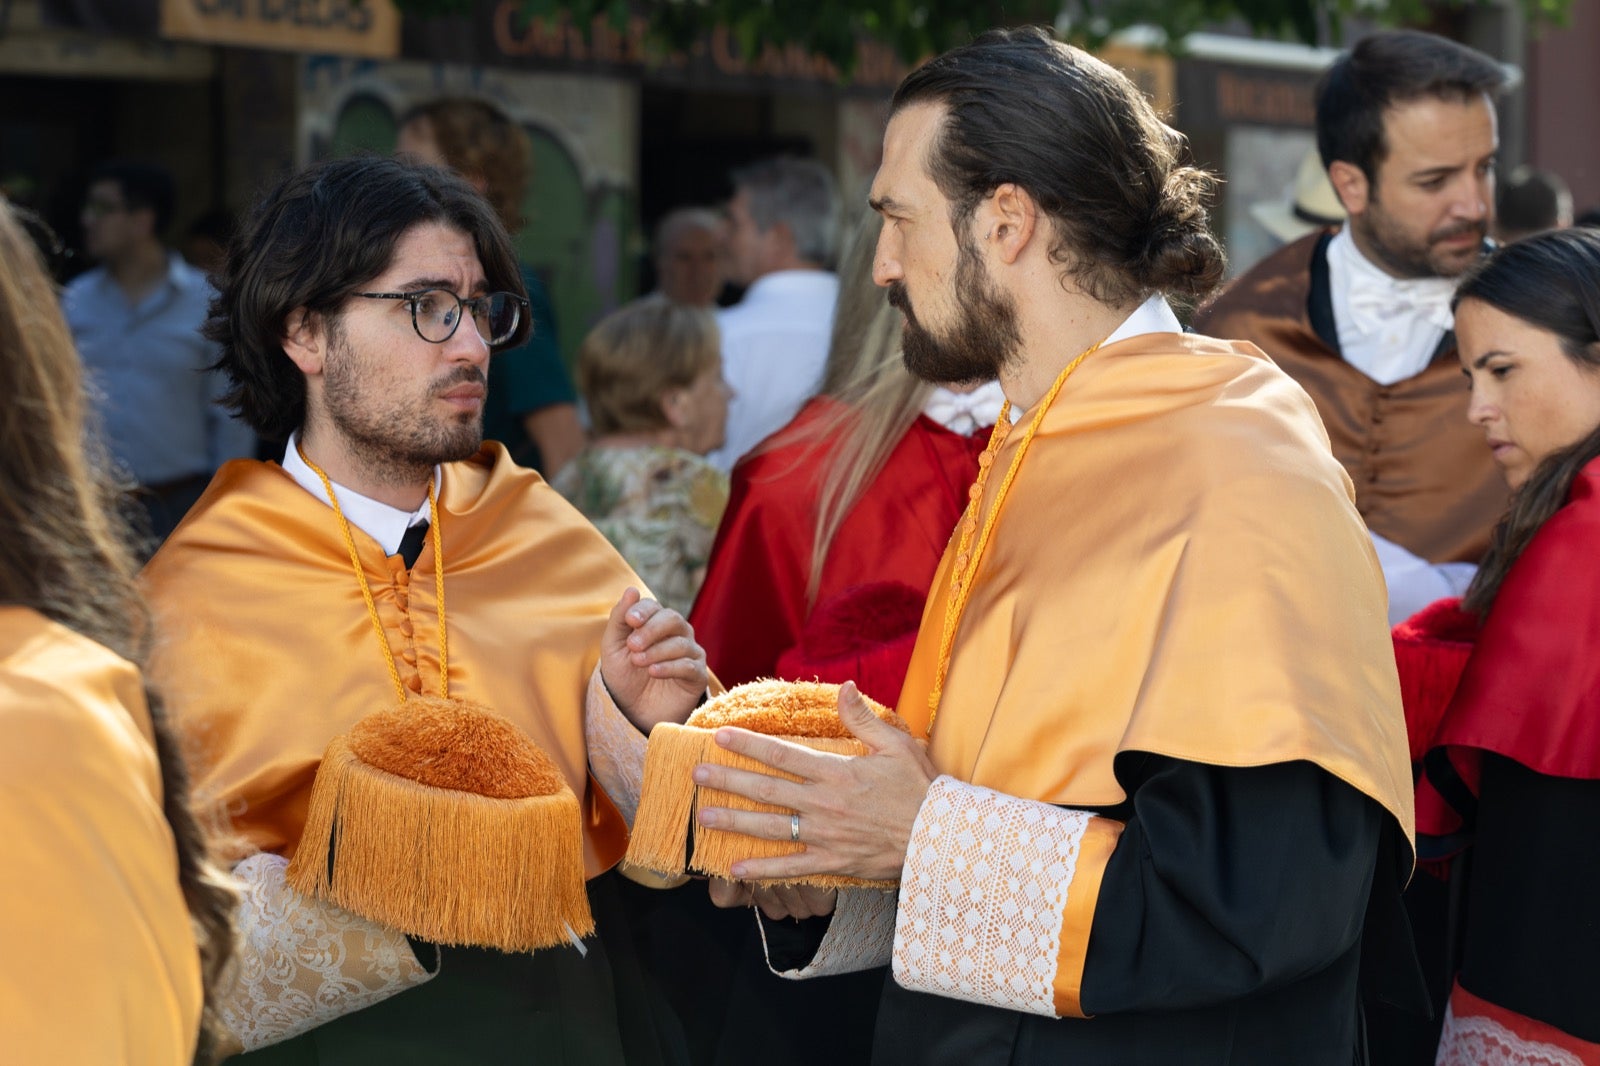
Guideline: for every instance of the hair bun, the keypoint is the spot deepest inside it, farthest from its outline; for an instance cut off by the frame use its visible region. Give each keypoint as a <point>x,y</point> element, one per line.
<point>1181,255</point>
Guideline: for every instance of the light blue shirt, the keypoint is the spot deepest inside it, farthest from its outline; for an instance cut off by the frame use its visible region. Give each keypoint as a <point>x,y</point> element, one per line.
<point>157,404</point>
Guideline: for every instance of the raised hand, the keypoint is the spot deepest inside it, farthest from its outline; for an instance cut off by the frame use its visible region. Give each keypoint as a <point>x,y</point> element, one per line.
<point>650,662</point>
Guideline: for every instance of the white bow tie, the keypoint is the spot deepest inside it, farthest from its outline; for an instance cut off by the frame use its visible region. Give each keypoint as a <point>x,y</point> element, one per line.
<point>1375,307</point>
<point>965,412</point>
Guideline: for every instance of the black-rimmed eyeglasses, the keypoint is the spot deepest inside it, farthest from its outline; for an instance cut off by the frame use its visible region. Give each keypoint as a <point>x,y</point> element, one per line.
<point>435,313</point>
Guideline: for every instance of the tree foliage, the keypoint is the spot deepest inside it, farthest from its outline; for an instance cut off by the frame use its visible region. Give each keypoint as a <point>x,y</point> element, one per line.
<point>916,28</point>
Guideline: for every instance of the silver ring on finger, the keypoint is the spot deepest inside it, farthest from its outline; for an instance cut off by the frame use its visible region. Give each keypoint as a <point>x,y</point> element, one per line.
<point>794,827</point>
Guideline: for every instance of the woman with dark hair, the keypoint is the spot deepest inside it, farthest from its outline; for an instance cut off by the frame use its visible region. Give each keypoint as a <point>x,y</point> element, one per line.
<point>106,882</point>
<point>1511,780</point>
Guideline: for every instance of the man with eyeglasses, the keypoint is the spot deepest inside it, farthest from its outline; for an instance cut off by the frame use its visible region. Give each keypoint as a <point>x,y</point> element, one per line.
<point>394,549</point>
<point>136,321</point>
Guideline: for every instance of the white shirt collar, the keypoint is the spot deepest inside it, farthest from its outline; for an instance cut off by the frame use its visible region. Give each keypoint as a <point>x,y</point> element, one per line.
<point>1152,316</point>
<point>384,524</point>
<point>1388,327</point>
<point>965,412</point>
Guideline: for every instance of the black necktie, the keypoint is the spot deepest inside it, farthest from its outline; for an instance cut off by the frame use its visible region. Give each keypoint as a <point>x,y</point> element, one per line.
<point>411,543</point>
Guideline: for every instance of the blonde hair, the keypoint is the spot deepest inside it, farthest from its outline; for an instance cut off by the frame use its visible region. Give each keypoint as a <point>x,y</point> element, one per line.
<point>878,397</point>
<point>639,352</point>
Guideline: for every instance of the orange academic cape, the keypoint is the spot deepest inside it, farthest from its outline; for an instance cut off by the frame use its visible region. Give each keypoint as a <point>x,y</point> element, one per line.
<point>102,964</point>
<point>266,650</point>
<point>1179,569</point>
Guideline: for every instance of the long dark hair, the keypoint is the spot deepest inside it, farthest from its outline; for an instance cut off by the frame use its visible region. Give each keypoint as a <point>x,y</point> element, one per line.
<point>65,553</point>
<point>1129,215</point>
<point>1551,281</point>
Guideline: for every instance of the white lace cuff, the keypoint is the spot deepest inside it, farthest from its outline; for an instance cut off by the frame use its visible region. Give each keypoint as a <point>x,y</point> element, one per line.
<point>303,962</point>
<point>616,748</point>
<point>997,898</point>
<point>858,938</point>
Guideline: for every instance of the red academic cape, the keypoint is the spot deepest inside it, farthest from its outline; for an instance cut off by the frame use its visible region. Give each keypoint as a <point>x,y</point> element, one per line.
<point>1531,689</point>
<point>1521,734</point>
<point>752,616</point>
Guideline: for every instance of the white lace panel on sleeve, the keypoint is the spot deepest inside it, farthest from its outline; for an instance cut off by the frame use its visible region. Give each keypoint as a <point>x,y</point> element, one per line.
<point>984,896</point>
<point>616,748</point>
<point>859,937</point>
<point>303,962</point>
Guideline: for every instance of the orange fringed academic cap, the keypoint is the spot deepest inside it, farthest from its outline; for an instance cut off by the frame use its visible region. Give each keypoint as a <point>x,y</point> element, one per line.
<point>444,820</point>
<point>806,712</point>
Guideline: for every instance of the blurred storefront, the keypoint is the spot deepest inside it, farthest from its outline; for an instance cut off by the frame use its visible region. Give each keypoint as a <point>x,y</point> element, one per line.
<point>230,93</point>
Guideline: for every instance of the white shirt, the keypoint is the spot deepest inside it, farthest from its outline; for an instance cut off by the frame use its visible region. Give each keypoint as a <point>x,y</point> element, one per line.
<point>774,349</point>
<point>1388,327</point>
<point>384,524</point>
<point>1414,582</point>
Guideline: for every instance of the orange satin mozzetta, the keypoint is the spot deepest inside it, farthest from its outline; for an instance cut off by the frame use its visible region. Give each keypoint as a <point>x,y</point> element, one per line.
<point>267,650</point>
<point>102,962</point>
<point>1179,569</point>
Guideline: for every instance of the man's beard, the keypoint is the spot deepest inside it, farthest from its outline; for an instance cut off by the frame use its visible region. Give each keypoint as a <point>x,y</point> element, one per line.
<point>394,441</point>
<point>984,339</point>
<point>1406,259</point>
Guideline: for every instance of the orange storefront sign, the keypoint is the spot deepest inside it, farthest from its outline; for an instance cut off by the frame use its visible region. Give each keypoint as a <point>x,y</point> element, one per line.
<point>342,27</point>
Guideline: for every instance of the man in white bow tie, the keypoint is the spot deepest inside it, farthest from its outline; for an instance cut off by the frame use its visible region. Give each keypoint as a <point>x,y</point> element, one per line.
<point>1360,316</point>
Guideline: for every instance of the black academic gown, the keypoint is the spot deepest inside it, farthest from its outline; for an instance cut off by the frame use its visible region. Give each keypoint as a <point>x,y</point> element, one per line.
<point>555,1007</point>
<point>1191,959</point>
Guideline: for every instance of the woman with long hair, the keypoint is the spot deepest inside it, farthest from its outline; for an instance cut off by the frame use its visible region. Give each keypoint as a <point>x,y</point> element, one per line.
<point>834,528</point>
<point>116,925</point>
<point>1511,772</point>
<point>836,523</point>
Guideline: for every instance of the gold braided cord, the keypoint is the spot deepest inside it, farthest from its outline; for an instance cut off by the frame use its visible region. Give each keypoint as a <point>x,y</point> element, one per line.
<point>965,568</point>
<point>438,588</point>
<point>366,589</point>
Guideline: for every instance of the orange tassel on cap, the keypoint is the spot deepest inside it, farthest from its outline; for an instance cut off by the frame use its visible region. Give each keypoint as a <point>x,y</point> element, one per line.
<point>443,820</point>
<point>667,836</point>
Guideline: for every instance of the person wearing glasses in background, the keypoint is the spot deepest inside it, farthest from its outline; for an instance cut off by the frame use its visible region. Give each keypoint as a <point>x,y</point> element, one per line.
<point>136,322</point>
<point>357,319</point>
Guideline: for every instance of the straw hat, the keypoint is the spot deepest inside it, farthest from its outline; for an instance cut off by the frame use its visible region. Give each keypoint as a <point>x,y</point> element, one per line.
<point>667,836</point>
<point>1312,203</point>
<point>441,819</point>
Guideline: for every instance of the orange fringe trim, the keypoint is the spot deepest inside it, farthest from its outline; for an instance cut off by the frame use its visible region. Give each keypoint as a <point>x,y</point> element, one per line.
<point>449,867</point>
<point>667,836</point>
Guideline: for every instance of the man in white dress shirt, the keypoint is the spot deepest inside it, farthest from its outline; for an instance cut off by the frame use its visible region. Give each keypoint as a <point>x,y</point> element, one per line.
<point>1360,316</point>
<point>783,224</point>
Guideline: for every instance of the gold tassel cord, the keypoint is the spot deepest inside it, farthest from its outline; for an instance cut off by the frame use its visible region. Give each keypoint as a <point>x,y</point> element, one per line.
<point>965,568</point>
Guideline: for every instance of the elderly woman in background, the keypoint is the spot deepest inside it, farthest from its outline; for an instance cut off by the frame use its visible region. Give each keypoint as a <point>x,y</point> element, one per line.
<point>106,880</point>
<point>651,373</point>
<point>1512,766</point>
